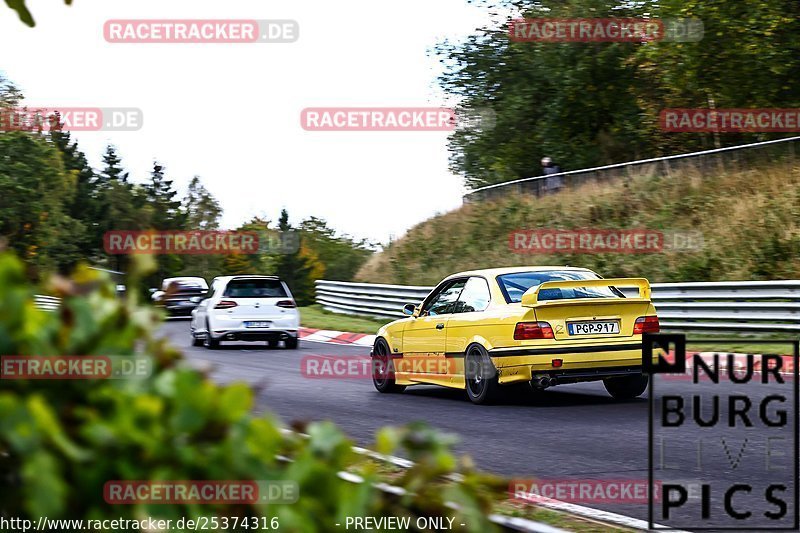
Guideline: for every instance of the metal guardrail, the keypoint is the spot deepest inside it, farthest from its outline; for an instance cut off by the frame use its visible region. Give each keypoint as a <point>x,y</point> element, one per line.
<point>738,306</point>
<point>385,301</point>
<point>48,303</point>
<point>736,157</point>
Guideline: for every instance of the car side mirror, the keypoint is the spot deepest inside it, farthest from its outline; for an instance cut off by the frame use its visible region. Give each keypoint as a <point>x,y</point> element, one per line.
<point>409,309</point>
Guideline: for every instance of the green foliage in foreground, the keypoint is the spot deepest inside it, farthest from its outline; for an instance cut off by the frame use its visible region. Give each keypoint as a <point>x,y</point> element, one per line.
<point>60,441</point>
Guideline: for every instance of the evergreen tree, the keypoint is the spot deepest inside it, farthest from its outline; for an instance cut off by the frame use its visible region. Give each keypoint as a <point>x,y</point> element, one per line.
<point>161,197</point>
<point>112,169</point>
<point>341,256</point>
<point>165,214</point>
<point>119,204</point>
<point>82,205</point>
<point>201,208</point>
<point>295,268</point>
<point>33,189</point>
<point>202,212</point>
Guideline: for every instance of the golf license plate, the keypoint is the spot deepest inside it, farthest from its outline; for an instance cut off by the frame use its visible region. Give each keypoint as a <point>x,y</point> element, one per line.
<point>258,324</point>
<point>596,327</point>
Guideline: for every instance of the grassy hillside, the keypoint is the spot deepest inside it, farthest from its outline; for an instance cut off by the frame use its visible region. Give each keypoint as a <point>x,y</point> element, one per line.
<point>750,222</point>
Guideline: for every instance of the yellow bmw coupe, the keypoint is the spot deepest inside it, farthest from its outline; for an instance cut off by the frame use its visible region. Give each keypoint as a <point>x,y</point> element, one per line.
<point>545,326</point>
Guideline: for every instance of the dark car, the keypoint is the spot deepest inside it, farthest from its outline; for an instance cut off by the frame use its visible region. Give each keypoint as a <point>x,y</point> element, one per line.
<point>179,296</point>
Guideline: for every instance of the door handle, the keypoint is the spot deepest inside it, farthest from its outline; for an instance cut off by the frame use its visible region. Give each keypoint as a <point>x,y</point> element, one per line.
<point>440,325</point>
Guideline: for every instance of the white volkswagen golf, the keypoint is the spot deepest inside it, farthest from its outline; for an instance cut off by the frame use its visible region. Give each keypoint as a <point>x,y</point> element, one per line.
<point>246,308</point>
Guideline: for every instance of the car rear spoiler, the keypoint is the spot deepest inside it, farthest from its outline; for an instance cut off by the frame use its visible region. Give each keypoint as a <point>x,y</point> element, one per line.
<point>531,296</point>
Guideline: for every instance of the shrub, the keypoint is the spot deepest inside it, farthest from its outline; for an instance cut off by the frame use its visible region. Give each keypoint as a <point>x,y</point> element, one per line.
<point>61,441</point>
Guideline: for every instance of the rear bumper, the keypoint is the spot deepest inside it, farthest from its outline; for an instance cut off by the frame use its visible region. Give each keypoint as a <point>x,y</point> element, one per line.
<point>575,363</point>
<point>177,306</point>
<point>179,310</point>
<point>229,328</point>
<point>254,335</point>
<point>561,350</point>
<point>575,376</point>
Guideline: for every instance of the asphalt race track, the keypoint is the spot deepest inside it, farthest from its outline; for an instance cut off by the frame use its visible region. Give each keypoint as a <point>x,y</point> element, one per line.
<point>570,432</point>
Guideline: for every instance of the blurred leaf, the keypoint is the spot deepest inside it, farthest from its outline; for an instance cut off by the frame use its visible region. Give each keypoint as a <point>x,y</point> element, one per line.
<point>25,15</point>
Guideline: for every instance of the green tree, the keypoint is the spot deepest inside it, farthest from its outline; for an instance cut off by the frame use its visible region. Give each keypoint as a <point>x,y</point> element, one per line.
<point>33,187</point>
<point>749,57</point>
<point>112,168</point>
<point>574,102</point>
<point>166,213</point>
<point>295,268</point>
<point>341,256</point>
<point>81,206</point>
<point>10,95</point>
<point>203,211</point>
<point>586,104</point>
<point>119,204</point>
<point>265,260</point>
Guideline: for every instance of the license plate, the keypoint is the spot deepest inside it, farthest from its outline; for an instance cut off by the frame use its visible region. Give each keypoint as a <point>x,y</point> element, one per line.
<point>593,328</point>
<point>261,324</point>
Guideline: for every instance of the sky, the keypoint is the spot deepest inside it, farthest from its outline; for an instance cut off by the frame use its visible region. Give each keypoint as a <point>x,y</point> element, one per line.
<point>230,113</point>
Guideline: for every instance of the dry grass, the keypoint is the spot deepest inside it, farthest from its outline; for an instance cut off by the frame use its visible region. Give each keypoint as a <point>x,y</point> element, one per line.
<point>750,222</point>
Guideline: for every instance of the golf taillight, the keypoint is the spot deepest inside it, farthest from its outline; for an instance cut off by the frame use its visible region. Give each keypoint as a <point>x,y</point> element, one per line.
<point>225,304</point>
<point>287,304</point>
<point>532,330</point>
<point>646,324</point>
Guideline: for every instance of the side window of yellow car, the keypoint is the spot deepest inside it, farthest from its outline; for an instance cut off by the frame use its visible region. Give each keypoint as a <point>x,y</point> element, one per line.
<point>443,302</point>
<point>474,297</point>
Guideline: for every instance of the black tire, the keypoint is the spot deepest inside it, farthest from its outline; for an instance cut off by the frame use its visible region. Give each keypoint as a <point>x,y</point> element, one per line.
<point>383,369</point>
<point>480,376</point>
<point>291,343</point>
<point>626,387</point>
<point>196,341</point>
<point>210,342</point>
<point>272,343</point>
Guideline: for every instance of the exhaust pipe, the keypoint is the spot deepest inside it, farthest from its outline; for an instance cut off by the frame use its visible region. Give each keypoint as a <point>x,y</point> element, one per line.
<point>541,382</point>
<point>553,382</point>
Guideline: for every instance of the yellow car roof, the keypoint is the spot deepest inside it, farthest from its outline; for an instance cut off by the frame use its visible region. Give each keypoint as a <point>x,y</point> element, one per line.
<point>492,272</point>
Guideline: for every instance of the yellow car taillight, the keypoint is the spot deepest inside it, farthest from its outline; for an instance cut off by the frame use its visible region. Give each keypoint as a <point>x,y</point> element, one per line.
<point>646,324</point>
<point>532,330</point>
